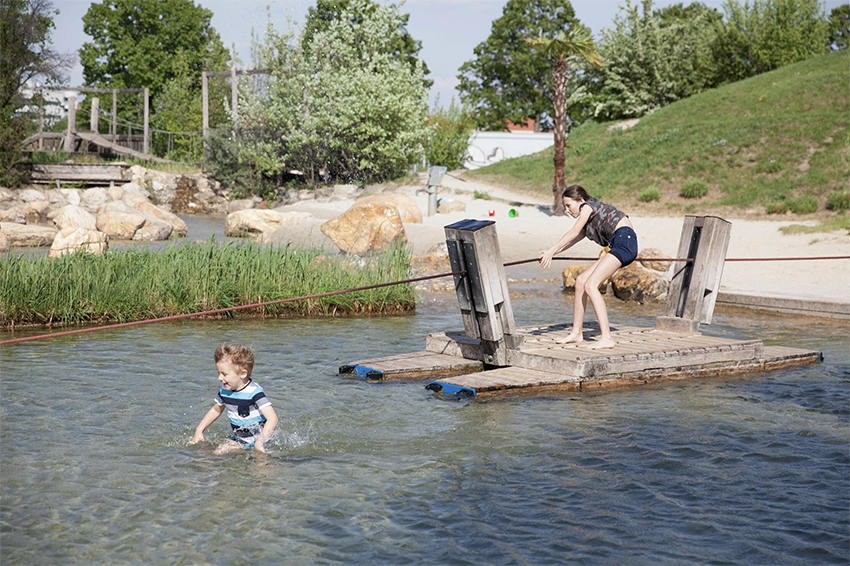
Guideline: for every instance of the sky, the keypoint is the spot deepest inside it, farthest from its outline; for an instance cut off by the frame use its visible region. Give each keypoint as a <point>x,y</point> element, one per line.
<point>448,29</point>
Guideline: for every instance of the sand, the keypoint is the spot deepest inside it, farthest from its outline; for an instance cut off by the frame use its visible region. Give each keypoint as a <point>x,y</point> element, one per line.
<point>535,228</point>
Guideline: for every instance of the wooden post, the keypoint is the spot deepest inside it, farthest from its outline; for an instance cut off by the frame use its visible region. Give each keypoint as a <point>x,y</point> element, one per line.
<point>694,288</point>
<point>146,138</point>
<point>72,124</point>
<point>482,292</point>
<point>114,116</point>
<point>41,124</point>
<point>205,102</point>
<point>234,96</point>
<point>95,115</point>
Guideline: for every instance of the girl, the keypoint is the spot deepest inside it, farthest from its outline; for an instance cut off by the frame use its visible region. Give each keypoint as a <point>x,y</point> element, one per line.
<point>608,227</point>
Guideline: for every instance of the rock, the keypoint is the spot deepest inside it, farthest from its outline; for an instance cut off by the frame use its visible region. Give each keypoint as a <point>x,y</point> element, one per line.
<point>25,235</point>
<point>365,228</point>
<point>36,208</point>
<point>71,216</point>
<point>4,242</point>
<point>14,215</point>
<point>30,195</point>
<point>662,266</point>
<point>56,198</point>
<point>71,240</point>
<point>345,191</point>
<point>407,208</point>
<point>448,205</point>
<point>135,188</point>
<point>73,196</point>
<point>144,205</point>
<point>7,194</point>
<point>259,221</point>
<point>92,199</point>
<point>571,273</point>
<point>119,220</point>
<point>115,193</point>
<point>634,283</point>
<point>153,230</point>
<point>163,186</point>
<point>240,204</point>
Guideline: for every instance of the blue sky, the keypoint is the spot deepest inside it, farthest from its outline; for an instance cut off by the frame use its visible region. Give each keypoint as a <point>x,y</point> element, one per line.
<point>448,29</point>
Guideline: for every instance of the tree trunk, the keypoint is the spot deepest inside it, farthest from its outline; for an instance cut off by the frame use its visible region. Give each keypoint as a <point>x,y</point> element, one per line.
<point>560,80</point>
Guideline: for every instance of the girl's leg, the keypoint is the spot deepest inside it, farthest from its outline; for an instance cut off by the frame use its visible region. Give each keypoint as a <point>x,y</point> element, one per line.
<point>604,268</point>
<point>579,308</point>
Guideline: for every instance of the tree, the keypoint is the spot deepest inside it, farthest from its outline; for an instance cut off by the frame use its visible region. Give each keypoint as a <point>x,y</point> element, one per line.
<point>563,46</point>
<point>448,135</point>
<point>839,27</point>
<point>767,34</point>
<point>147,43</point>
<point>403,46</point>
<point>506,80</point>
<point>25,54</point>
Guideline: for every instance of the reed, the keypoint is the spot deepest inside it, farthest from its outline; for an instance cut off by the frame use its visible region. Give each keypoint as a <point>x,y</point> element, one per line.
<point>140,284</point>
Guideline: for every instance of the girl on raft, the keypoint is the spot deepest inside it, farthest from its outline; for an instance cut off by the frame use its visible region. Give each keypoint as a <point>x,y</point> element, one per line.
<point>608,227</point>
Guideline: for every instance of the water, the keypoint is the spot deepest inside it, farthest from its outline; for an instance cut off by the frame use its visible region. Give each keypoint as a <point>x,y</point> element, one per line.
<point>96,468</point>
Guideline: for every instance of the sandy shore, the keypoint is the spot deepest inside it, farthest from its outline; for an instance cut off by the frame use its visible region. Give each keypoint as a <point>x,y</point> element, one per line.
<point>534,229</point>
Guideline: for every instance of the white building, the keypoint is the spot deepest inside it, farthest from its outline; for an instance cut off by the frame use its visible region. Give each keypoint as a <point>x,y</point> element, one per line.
<point>55,102</point>
<point>486,148</point>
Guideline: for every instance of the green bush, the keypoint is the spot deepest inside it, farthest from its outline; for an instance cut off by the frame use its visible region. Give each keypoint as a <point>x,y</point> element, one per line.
<point>448,136</point>
<point>839,201</point>
<point>804,205</point>
<point>779,207</point>
<point>694,189</point>
<point>650,194</point>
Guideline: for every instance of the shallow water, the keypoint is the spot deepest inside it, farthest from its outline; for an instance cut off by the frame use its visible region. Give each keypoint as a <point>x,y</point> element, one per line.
<point>96,468</point>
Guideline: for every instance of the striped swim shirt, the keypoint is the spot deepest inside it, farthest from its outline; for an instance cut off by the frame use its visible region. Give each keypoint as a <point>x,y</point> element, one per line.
<point>243,408</point>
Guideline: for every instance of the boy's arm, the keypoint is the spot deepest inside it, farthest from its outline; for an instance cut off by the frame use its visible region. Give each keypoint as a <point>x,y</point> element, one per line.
<point>268,428</point>
<point>208,419</point>
<point>568,240</point>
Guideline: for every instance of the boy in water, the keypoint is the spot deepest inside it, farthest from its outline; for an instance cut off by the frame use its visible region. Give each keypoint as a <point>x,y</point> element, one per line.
<point>251,414</point>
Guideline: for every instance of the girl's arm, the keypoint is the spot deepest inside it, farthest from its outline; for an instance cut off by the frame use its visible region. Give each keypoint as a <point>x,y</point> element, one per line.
<point>208,419</point>
<point>268,428</point>
<point>568,240</point>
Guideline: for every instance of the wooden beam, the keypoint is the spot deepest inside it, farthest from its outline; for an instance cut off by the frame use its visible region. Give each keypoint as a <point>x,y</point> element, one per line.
<point>147,140</point>
<point>72,124</point>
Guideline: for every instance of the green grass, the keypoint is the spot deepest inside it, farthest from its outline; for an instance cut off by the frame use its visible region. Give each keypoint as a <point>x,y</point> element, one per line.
<point>779,136</point>
<point>139,284</point>
<point>827,225</point>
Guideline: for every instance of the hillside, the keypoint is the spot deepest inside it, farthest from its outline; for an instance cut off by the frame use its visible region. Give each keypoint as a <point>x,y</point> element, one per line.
<point>777,141</point>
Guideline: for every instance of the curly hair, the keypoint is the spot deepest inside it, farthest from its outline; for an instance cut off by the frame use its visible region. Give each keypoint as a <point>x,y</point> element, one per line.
<point>237,354</point>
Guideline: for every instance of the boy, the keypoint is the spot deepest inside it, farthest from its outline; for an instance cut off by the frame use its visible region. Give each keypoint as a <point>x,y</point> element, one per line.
<point>251,414</point>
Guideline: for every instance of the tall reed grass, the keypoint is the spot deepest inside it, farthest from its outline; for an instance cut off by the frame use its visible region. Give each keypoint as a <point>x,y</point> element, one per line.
<point>140,284</point>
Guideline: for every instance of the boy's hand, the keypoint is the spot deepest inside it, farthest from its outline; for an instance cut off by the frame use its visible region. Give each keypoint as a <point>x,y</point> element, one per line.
<point>259,446</point>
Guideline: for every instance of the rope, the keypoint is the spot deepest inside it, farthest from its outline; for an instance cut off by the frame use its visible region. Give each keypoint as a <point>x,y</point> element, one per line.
<point>366,288</point>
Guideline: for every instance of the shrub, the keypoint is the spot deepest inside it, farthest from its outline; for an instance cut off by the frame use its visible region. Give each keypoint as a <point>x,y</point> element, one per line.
<point>779,207</point>
<point>839,201</point>
<point>650,194</point>
<point>447,140</point>
<point>694,189</point>
<point>804,205</point>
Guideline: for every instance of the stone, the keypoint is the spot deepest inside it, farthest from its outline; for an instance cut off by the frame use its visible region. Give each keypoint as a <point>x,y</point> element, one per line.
<point>407,208</point>
<point>70,216</point>
<point>344,191</point>
<point>30,195</point>
<point>72,240</point>
<point>92,199</point>
<point>26,235</point>
<point>448,205</point>
<point>661,266</point>
<point>73,196</point>
<point>163,186</point>
<point>4,242</point>
<point>634,283</point>
<point>135,188</point>
<point>254,221</point>
<point>14,215</point>
<point>153,230</point>
<point>366,228</point>
<point>145,206</point>
<point>7,194</point>
<point>240,204</point>
<point>119,220</point>
<point>56,198</point>
<point>115,193</point>
<point>36,208</point>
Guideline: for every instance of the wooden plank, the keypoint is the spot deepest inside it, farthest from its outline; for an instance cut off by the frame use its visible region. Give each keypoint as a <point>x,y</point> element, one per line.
<point>414,365</point>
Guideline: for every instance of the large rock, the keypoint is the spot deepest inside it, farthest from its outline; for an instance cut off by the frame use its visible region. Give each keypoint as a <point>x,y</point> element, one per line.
<point>449,205</point>
<point>73,196</point>
<point>92,199</point>
<point>119,220</point>
<point>36,207</point>
<point>240,204</point>
<point>135,188</point>
<point>153,230</point>
<point>4,242</point>
<point>365,228</point>
<point>143,204</point>
<point>30,195</point>
<point>71,216</point>
<point>72,240</point>
<point>258,221</point>
<point>407,208</point>
<point>56,198</point>
<point>649,254</point>
<point>26,235</point>
<point>634,283</point>
<point>14,215</point>
<point>7,194</point>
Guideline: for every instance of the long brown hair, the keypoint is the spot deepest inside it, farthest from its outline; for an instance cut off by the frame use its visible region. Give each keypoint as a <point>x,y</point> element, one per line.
<point>576,192</point>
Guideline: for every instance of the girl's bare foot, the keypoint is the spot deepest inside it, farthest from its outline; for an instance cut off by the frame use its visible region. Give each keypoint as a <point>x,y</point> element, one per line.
<point>602,343</point>
<point>573,338</point>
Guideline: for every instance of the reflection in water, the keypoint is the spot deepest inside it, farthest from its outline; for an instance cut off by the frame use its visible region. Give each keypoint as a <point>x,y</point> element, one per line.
<point>96,466</point>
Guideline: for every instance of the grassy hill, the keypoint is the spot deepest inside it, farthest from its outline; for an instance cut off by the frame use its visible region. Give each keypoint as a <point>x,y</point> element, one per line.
<point>773,143</point>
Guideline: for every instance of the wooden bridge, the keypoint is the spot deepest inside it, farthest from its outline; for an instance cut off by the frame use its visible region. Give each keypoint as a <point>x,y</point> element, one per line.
<point>492,357</point>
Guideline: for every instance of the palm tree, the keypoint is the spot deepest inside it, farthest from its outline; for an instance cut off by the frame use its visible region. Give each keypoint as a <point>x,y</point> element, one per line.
<point>577,43</point>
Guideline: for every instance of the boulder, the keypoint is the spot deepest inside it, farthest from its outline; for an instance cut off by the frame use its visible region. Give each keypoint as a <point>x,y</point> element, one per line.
<point>634,283</point>
<point>407,208</point>
<point>163,186</point>
<point>71,216</point>
<point>256,220</point>
<point>92,199</point>
<point>30,195</point>
<point>56,198</point>
<point>72,240</point>
<point>73,196</point>
<point>14,215</point>
<point>119,220</point>
<point>7,194</point>
<point>115,193</point>
<point>365,228</point>
<point>449,205</point>
<point>661,266</point>
<point>153,230</point>
<point>4,242</point>
<point>25,235</point>
<point>36,207</point>
<point>346,191</point>
<point>145,206</point>
<point>240,204</point>
<point>135,188</point>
